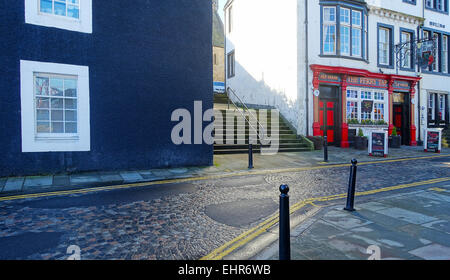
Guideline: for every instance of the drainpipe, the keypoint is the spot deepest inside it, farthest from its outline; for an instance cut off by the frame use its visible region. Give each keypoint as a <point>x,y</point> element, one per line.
<point>419,105</point>
<point>306,68</point>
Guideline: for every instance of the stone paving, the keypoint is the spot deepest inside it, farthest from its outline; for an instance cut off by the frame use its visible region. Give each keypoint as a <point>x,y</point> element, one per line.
<point>223,164</point>
<point>413,225</point>
<point>177,221</point>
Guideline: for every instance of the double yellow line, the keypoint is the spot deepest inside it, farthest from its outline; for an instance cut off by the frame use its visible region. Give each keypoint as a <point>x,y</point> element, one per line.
<point>251,234</point>
<point>212,177</point>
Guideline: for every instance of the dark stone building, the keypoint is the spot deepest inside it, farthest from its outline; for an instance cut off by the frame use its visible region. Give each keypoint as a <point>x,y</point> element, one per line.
<point>91,85</point>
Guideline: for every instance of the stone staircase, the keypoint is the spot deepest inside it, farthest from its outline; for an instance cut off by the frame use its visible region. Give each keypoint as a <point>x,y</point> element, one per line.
<point>288,140</point>
<point>446,138</point>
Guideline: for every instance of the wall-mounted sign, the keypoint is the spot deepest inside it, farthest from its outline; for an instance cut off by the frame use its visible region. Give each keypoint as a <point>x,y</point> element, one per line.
<point>367,82</point>
<point>326,77</point>
<point>437,24</point>
<point>433,140</point>
<point>378,144</point>
<point>401,85</point>
<point>366,106</point>
<point>316,93</point>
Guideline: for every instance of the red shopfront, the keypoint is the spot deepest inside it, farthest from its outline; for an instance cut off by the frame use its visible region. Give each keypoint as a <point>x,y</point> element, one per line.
<point>391,98</point>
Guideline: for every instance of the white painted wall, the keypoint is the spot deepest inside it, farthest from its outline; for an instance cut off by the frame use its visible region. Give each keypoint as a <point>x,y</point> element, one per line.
<point>265,42</point>
<point>268,39</point>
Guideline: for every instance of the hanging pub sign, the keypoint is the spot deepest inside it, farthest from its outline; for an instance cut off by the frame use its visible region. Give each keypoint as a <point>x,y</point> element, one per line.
<point>433,141</point>
<point>378,146</point>
<point>366,106</point>
<point>426,53</point>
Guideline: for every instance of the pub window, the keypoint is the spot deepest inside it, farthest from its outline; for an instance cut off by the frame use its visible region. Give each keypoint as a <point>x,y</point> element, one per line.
<point>352,110</point>
<point>357,101</point>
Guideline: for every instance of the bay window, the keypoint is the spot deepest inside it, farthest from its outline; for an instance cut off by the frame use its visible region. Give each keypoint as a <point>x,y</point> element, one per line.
<point>344,31</point>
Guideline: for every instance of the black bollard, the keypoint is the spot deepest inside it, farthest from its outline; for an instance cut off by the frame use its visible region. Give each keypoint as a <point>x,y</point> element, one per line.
<point>285,228</point>
<point>250,156</point>
<point>352,187</point>
<point>325,149</point>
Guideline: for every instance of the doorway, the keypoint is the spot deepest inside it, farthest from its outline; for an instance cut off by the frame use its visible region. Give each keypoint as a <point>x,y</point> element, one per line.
<point>402,119</point>
<point>329,114</point>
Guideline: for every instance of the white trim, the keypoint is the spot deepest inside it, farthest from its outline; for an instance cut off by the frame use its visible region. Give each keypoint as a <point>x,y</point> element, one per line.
<point>83,24</point>
<point>31,142</point>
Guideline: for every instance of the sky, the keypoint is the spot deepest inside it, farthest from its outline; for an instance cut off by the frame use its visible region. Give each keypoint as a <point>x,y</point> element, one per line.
<point>221,5</point>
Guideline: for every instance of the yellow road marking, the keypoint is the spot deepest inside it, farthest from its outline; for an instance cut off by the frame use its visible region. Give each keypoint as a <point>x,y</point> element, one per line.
<point>251,234</point>
<point>437,190</point>
<point>203,178</point>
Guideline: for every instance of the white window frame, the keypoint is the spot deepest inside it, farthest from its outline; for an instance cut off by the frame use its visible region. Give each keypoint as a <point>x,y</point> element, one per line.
<point>432,105</point>
<point>444,61</point>
<point>435,66</point>
<point>329,24</point>
<point>375,101</point>
<point>31,140</point>
<point>406,37</point>
<point>346,25</point>
<point>83,24</point>
<point>384,46</point>
<point>358,28</point>
<point>441,101</point>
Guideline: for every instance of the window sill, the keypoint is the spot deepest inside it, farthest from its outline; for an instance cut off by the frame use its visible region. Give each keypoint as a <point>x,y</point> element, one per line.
<point>344,57</point>
<point>385,66</point>
<point>437,11</point>
<point>57,138</point>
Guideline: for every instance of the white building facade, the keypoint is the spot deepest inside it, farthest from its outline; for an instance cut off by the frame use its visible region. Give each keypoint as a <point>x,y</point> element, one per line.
<point>332,67</point>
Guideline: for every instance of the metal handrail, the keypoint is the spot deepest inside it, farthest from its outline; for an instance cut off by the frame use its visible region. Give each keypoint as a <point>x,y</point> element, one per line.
<point>249,112</point>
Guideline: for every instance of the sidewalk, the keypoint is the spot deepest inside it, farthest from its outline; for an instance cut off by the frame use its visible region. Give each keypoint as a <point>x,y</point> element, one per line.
<point>223,164</point>
<point>413,225</point>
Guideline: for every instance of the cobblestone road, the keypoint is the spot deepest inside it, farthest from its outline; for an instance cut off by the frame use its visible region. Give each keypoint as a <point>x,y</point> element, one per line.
<point>178,221</point>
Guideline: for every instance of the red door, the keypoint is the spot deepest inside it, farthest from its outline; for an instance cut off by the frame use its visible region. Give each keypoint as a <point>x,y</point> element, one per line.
<point>328,119</point>
<point>398,121</point>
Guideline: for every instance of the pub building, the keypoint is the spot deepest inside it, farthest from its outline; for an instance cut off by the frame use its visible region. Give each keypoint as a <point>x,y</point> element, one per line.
<point>347,99</point>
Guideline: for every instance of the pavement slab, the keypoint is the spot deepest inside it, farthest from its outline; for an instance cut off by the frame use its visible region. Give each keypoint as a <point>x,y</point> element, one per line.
<point>38,181</point>
<point>14,184</point>
<point>433,252</point>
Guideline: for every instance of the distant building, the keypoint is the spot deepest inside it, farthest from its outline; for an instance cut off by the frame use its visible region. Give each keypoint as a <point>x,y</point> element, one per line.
<point>218,46</point>
<point>90,85</point>
<point>334,66</point>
